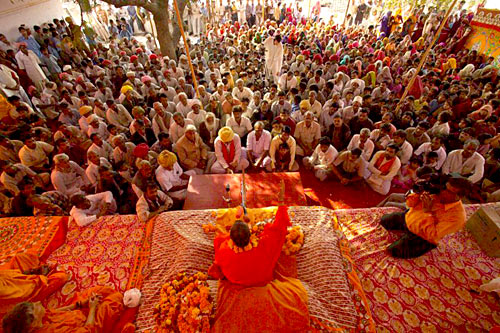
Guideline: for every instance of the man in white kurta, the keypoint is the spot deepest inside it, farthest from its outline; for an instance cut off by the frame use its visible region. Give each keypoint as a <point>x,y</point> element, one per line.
<point>323,156</point>
<point>258,143</point>
<point>172,179</point>
<point>274,56</point>
<point>86,209</point>
<point>35,154</point>
<point>28,61</point>
<point>228,152</point>
<point>307,133</point>
<point>435,146</point>
<point>382,169</point>
<point>178,126</point>
<point>467,162</point>
<point>9,84</point>
<point>67,176</point>
<point>363,142</point>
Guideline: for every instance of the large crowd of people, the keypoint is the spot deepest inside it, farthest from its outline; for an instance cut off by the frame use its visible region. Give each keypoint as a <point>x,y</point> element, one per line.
<point>92,127</point>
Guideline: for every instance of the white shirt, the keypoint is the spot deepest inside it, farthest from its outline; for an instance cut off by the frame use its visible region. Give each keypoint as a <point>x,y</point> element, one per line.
<point>105,150</point>
<point>197,118</point>
<point>70,182</point>
<point>474,165</point>
<point>10,183</point>
<point>35,157</point>
<point>83,217</point>
<point>243,128</point>
<point>376,172</point>
<point>286,84</point>
<point>119,155</point>
<point>142,206</point>
<point>169,178</point>
<point>405,152</point>
<point>367,149</point>
<point>426,148</point>
<point>245,92</point>
<point>92,170</point>
<point>321,158</point>
<point>220,156</point>
<point>258,147</point>
<point>176,131</point>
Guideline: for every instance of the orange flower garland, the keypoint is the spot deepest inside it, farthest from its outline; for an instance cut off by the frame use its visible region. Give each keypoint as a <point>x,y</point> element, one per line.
<point>185,305</point>
<point>294,240</point>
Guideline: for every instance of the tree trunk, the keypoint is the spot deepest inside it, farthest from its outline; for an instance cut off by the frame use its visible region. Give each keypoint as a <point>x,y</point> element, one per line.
<point>167,45</point>
<point>168,34</point>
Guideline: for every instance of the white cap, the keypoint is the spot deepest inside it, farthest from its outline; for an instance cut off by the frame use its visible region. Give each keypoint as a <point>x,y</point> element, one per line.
<point>132,298</point>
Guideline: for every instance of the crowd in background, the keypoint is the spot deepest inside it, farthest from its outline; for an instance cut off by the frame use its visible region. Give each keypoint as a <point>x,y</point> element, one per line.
<point>91,127</point>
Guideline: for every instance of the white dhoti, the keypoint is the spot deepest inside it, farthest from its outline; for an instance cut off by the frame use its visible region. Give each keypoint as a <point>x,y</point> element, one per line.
<point>243,164</point>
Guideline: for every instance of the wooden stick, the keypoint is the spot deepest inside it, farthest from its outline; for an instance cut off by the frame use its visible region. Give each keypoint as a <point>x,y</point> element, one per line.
<point>346,10</point>
<point>424,57</point>
<point>181,28</point>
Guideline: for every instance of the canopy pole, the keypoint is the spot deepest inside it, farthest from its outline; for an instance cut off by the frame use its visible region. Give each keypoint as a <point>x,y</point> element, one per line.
<point>181,28</point>
<point>424,57</point>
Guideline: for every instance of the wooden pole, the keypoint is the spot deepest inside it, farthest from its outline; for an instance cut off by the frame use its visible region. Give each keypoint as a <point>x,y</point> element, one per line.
<point>424,57</point>
<point>186,46</point>
<point>309,10</point>
<point>346,11</point>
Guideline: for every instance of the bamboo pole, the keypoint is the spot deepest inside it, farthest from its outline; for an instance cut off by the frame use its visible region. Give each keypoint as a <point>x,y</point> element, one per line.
<point>309,10</point>
<point>424,57</point>
<point>181,28</point>
<point>346,11</point>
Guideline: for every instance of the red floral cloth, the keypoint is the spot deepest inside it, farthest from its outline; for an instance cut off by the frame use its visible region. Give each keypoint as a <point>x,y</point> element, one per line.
<point>433,293</point>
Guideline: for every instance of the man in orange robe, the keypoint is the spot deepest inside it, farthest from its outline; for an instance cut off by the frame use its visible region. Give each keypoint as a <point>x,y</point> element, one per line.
<point>95,310</point>
<point>252,295</point>
<point>25,279</point>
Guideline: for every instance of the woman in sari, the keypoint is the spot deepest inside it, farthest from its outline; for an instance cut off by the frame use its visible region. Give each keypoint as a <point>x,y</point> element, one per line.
<point>385,24</point>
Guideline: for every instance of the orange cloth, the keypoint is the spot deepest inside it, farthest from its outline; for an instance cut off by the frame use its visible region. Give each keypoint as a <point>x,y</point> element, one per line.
<point>16,287</point>
<point>108,313</point>
<point>279,306</point>
<point>433,226</point>
<point>254,267</point>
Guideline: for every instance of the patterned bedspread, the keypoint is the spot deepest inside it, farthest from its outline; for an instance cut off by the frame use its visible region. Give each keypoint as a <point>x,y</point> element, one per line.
<point>433,293</point>
<point>41,235</point>
<point>102,253</point>
<point>335,300</point>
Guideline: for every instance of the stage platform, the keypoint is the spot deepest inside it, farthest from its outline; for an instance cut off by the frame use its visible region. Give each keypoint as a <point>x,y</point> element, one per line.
<point>207,191</point>
<point>343,265</point>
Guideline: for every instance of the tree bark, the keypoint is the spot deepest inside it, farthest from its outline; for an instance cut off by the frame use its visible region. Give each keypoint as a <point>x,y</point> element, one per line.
<point>168,32</point>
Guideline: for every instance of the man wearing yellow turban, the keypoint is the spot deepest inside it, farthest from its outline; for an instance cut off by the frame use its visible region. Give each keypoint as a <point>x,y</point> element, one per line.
<point>172,179</point>
<point>230,157</point>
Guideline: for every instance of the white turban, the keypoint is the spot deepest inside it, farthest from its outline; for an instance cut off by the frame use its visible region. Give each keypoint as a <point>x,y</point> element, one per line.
<point>131,298</point>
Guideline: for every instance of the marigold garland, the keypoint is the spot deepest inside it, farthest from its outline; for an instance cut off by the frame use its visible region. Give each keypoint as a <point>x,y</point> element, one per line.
<point>294,240</point>
<point>293,243</point>
<point>185,305</point>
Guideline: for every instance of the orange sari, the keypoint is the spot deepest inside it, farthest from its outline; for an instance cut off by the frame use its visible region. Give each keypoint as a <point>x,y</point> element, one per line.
<point>16,287</point>
<point>107,315</point>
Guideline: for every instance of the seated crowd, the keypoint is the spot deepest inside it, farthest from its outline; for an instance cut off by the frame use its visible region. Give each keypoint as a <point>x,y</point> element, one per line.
<point>116,128</point>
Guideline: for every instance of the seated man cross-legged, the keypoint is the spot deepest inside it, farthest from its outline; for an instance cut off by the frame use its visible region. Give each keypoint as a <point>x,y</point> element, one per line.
<point>430,217</point>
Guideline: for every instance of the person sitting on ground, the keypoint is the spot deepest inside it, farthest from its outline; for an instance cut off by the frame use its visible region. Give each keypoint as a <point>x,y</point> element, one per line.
<point>466,162</point>
<point>382,169</point>
<point>277,157</point>
<point>193,152</point>
<point>86,209</point>
<point>230,157</point>
<point>172,179</point>
<point>258,143</point>
<point>68,177</point>
<point>152,202</point>
<point>349,167</point>
<point>13,174</point>
<point>321,159</point>
<point>430,218</point>
<point>307,135</point>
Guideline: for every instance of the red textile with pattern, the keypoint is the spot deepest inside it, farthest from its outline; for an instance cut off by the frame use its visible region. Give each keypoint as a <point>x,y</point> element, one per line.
<point>433,293</point>
<point>102,253</point>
